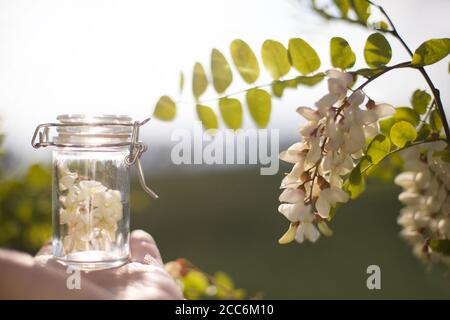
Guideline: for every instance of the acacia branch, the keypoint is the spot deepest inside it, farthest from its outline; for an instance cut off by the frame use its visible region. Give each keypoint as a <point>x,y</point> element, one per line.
<point>228,95</point>
<point>401,65</point>
<point>434,90</point>
<point>394,32</point>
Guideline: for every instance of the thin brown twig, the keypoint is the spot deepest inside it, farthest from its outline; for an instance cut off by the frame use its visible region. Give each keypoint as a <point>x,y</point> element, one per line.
<point>260,86</point>
<point>406,64</point>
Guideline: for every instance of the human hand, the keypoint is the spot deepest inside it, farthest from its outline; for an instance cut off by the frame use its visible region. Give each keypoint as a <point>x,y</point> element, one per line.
<point>42,277</point>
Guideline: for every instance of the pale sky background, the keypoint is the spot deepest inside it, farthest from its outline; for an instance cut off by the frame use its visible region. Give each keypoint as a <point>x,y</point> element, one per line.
<point>117,56</point>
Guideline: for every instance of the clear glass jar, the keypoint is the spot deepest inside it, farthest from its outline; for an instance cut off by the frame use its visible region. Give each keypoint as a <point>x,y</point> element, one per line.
<point>91,190</point>
<point>91,186</point>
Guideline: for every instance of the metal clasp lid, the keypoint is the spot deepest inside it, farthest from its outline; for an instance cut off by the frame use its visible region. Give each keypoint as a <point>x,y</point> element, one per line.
<point>41,138</point>
<point>136,150</point>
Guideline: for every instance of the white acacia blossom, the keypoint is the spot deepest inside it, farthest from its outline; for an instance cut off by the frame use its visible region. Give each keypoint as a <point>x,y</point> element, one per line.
<point>426,195</point>
<point>333,139</point>
<point>90,212</point>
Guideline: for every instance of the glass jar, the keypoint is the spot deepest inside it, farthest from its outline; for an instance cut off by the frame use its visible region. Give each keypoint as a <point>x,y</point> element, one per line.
<point>91,187</point>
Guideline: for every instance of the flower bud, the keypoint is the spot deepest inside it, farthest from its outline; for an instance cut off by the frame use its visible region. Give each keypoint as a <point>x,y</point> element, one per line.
<point>323,227</point>
<point>370,104</point>
<point>289,236</point>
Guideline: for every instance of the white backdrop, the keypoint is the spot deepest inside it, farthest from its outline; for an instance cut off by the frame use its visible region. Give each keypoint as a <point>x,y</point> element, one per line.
<point>118,56</point>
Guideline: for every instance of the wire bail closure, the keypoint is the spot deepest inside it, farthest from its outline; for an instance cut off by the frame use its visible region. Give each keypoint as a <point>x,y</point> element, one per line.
<point>136,150</point>
<point>41,138</point>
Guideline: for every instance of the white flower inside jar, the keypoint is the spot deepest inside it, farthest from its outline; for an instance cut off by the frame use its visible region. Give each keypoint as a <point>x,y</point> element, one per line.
<point>91,186</point>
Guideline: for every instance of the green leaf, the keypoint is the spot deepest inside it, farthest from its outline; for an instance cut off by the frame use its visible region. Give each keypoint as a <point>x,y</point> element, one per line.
<point>430,52</point>
<point>365,163</point>
<point>291,83</point>
<point>378,148</point>
<point>441,246</point>
<point>436,121</point>
<point>165,109</point>
<point>181,81</point>
<point>278,88</point>
<point>386,125</point>
<point>221,71</point>
<point>343,6</point>
<point>303,57</point>
<point>245,60</point>
<point>275,58</point>
<point>311,80</point>
<point>377,51</point>
<point>382,25</point>
<point>420,101</point>
<point>355,184</point>
<point>368,73</point>
<point>402,132</point>
<point>260,105</point>
<point>199,80</point>
<point>341,53</point>
<point>362,9</point>
<point>231,111</point>
<point>207,117</point>
<point>407,114</point>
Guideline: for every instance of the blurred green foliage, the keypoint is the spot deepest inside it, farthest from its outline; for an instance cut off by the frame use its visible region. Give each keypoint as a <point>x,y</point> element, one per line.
<point>198,284</point>
<point>25,209</point>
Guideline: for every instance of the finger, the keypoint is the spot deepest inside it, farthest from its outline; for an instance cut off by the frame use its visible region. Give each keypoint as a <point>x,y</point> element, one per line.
<point>45,250</point>
<point>19,270</point>
<point>44,257</point>
<point>142,244</point>
<point>147,282</point>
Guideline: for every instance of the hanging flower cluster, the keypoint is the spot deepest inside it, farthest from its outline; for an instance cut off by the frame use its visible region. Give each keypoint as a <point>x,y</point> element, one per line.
<point>89,210</point>
<point>426,195</point>
<point>333,139</point>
